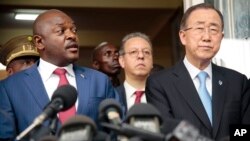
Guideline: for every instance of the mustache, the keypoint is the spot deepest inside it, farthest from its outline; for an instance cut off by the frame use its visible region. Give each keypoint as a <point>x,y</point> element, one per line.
<point>72,44</point>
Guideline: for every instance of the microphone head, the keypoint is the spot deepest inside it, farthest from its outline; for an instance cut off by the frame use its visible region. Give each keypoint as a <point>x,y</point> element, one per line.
<point>107,104</point>
<point>67,94</point>
<point>48,138</point>
<point>143,110</point>
<point>188,132</point>
<point>78,127</point>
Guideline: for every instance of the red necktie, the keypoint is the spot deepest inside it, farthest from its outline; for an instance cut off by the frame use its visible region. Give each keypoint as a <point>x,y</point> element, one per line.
<point>63,116</point>
<point>138,95</point>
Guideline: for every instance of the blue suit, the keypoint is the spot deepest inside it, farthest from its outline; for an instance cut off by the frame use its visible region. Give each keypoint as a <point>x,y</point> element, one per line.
<point>23,96</point>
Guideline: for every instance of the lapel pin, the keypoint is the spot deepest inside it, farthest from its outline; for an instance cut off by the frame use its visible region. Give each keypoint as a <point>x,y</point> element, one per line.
<point>82,75</point>
<point>220,82</point>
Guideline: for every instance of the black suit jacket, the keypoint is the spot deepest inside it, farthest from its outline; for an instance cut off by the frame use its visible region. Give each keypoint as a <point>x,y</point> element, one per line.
<point>122,93</point>
<point>174,94</point>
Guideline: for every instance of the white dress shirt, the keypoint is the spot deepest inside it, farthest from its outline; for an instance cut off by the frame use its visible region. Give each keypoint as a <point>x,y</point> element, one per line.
<point>130,96</point>
<point>51,80</point>
<point>193,71</point>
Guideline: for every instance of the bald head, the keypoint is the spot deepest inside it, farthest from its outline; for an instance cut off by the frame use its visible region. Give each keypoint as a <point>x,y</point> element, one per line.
<point>55,37</point>
<point>38,24</point>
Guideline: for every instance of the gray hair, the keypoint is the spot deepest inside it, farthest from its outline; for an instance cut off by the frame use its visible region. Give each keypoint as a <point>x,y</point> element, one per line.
<point>133,35</point>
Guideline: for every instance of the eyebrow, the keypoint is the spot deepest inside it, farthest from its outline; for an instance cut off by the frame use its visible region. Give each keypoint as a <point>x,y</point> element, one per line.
<point>210,24</point>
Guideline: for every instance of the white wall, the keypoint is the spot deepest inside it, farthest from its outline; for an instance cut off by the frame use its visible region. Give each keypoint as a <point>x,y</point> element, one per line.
<point>234,54</point>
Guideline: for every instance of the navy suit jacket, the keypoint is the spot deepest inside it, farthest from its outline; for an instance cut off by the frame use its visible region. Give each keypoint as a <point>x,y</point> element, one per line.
<point>172,91</point>
<point>23,96</point>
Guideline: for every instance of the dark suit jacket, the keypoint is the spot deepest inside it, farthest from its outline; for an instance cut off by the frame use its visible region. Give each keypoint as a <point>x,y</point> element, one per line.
<point>23,96</point>
<point>122,93</point>
<point>174,94</point>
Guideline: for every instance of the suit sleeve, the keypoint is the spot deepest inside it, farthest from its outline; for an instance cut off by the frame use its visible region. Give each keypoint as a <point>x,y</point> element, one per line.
<point>7,125</point>
<point>156,95</point>
<point>246,103</point>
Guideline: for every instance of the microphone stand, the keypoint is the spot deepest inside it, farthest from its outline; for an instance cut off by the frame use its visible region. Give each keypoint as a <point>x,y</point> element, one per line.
<point>40,130</point>
<point>131,131</point>
<point>54,124</point>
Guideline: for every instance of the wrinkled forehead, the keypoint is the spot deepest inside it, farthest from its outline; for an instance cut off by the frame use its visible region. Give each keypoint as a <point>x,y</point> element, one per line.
<point>204,16</point>
<point>137,43</point>
<point>109,47</point>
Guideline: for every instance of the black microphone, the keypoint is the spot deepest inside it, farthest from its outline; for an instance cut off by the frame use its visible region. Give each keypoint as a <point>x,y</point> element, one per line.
<point>63,98</point>
<point>145,116</point>
<point>48,138</point>
<point>110,111</point>
<point>186,132</point>
<point>78,128</point>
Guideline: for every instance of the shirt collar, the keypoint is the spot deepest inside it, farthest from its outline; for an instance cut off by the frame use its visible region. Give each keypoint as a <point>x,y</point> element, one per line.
<point>46,69</point>
<point>193,71</point>
<point>130,90</point>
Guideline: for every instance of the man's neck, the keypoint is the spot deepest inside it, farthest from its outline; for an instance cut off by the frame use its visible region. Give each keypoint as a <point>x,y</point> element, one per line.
<point>138,83</point>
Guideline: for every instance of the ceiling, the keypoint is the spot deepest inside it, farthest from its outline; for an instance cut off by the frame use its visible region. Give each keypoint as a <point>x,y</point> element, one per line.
<point>98,20</point>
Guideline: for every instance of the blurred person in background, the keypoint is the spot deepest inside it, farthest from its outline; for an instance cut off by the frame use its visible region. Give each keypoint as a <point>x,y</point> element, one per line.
<point>18,54</point>
<point>105,59</point>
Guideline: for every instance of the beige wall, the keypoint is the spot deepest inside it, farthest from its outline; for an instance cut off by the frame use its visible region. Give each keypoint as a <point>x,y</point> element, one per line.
<point>3,74</point>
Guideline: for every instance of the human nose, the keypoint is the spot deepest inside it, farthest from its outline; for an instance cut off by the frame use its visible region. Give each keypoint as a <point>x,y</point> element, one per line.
<point>71,35</point>
<point>140,54</point>
<point>115,55</point>
<point>206,34</point>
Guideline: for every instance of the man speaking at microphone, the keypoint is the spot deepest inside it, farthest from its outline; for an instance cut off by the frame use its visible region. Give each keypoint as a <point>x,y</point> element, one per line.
<point>24,95</point>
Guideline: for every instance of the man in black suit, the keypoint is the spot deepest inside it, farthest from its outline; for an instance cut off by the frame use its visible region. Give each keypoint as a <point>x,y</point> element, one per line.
<point>176,92</point>
<point>136,58</point>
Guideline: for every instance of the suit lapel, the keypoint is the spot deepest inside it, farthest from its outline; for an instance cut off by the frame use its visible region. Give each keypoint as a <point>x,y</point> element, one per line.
<point>219,85</point>
<point>35,85</point>
<point>82,89</point>
<point>184,84</point>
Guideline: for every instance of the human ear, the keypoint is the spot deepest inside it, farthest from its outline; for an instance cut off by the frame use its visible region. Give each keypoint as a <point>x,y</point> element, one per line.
<point>96,65</point>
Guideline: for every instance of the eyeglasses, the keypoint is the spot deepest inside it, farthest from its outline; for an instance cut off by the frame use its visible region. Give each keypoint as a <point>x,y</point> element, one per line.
<point>135,53</point>
<point>201,29</point>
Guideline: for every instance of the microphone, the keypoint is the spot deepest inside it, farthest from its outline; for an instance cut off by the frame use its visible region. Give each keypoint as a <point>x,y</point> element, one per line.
<point>48,138</point>
<point>110,111</point>
<point>78,128</point>
<point>63,98</point>
<point>186,132</point>
<point>144,116</point>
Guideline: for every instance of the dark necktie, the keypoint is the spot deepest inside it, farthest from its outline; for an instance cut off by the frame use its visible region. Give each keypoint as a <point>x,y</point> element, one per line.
<point>204,95</point>
<point>138,95</point>
<point>63,116</point>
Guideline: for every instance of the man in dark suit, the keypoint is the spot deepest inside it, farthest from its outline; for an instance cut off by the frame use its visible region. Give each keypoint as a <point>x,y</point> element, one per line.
<point>136,58</point>
<point>24,95</point>
<point>176,92</point>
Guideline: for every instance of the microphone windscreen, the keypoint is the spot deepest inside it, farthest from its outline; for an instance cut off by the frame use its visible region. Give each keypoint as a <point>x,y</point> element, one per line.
<point>78,121</point>
<point>101,136</point>
<point>68,94</point>
<point>48,138</point>
<point>106,105</point>
<point>143,110</point>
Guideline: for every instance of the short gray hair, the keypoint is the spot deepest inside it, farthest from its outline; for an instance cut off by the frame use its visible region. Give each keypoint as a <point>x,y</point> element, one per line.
<point>133,35</point>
